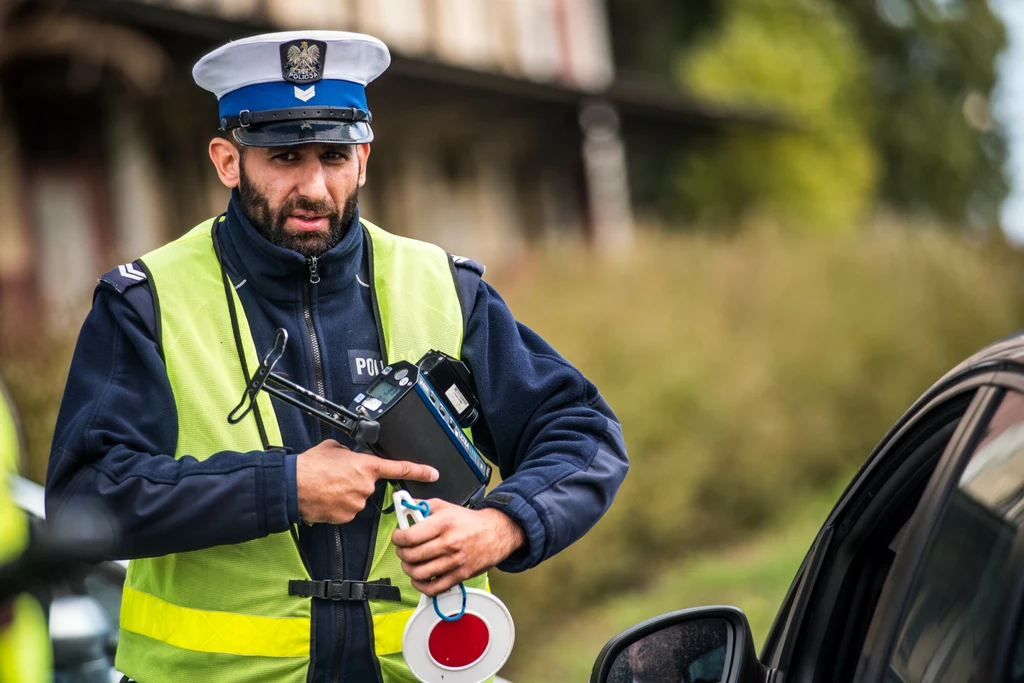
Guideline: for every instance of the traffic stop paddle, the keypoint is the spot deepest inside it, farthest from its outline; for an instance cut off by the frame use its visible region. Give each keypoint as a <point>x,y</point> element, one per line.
<point>464,635</point>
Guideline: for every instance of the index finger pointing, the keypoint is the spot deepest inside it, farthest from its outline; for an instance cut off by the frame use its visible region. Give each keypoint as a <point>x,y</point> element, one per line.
<point>403,469</point>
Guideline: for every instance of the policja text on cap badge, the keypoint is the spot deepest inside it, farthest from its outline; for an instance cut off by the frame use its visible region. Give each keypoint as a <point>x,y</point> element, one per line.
<point>302,61</point>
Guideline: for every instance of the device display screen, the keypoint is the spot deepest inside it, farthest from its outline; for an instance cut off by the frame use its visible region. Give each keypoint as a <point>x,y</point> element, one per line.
<point>384,391</point>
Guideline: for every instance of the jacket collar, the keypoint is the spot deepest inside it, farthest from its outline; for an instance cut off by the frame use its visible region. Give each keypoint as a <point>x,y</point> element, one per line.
<point>279,273</point>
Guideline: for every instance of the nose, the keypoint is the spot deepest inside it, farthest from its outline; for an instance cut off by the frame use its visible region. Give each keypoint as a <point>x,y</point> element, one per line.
<point>312,182</point>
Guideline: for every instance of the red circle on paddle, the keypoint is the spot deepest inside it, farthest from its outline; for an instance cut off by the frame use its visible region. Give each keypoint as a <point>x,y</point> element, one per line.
<point>459,643</point>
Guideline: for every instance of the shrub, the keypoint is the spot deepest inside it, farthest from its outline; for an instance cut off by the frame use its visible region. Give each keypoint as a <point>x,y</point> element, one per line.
<point>747,373</point>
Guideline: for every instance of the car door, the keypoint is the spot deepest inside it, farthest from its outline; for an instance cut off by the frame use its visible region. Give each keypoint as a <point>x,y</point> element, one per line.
<point>917,574</point>
<point>819,632</point>
<point>950,609</point>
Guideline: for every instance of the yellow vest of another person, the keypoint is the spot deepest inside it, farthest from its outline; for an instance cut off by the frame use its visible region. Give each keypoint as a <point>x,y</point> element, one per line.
<point>25,651</point>
<point>224,614</point>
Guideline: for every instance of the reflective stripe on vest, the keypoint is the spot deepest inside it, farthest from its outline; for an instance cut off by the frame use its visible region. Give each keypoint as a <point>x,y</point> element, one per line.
<point>224,613</point>
<point>220,632</point>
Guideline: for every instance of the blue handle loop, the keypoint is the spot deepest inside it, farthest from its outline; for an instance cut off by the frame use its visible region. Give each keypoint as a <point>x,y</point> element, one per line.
<point>423,506</point>
<point>424,509</point>
<point>437,610</point>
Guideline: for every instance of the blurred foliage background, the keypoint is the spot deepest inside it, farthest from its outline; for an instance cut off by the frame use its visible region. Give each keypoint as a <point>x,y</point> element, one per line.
<point>887,101</point>
<point>752,374</point>
<point>805,289</point>
<point>824,278</point>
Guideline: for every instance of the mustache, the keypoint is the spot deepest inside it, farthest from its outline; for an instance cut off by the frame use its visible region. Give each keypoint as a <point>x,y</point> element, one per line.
<point>323,207</point>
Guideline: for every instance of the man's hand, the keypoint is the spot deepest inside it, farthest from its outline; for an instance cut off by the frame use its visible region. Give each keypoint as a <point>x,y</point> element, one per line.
<point>334,482</point>
<point>454,544</point>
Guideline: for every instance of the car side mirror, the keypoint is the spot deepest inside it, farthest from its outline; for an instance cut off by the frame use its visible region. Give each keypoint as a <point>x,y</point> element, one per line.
<point>702,645</point>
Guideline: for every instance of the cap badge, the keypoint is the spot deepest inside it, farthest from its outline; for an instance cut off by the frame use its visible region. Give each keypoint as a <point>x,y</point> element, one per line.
<point>302,61</point>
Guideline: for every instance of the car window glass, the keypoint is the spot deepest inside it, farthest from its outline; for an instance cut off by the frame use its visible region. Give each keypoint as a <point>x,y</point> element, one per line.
<point>955,599</point>
<point>868,539</point>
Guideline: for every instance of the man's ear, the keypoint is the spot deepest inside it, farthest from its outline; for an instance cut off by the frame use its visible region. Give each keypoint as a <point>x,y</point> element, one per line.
<point>225,158</point>
<point>362,153</point>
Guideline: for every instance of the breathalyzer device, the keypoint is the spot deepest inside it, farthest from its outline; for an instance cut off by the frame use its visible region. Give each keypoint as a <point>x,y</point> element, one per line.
<point>414,412</point>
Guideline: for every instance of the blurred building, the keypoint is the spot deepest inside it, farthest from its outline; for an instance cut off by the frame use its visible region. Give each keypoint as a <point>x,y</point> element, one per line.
<point>497,126</point>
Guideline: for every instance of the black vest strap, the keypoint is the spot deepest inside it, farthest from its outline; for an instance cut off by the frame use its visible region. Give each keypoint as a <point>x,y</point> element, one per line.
<point>381,589</point>
<point>228,287</point>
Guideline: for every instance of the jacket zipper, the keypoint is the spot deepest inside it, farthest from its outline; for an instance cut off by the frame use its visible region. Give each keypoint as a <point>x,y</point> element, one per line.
<point>314,269</point>
<point>340,606</point>
<point>314,343</point>
<point>318,371</point>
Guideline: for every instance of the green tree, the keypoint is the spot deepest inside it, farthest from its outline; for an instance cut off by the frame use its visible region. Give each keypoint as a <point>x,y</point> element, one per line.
<point>889,101</point>
<point>801,58</point>
<point>933,67</point>
<point>648,34</point>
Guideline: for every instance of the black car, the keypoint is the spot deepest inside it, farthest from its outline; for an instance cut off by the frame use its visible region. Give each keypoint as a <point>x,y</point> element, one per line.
<point>917,575</point>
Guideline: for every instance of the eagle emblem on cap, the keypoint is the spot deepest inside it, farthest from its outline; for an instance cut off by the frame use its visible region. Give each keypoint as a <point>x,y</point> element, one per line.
<point>302,61</point>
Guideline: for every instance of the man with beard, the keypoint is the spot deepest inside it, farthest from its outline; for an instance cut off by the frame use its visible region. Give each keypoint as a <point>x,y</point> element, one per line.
<point>265,550</point>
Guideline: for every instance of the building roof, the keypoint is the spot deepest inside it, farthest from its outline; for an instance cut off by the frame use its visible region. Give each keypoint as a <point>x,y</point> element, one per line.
<point>639,100</point>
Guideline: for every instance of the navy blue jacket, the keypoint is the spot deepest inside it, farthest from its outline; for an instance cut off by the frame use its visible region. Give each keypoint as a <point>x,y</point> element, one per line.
<point>555,441</point>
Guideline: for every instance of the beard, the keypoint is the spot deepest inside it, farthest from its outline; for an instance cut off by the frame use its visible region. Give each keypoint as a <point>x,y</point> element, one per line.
<point>271,224</point>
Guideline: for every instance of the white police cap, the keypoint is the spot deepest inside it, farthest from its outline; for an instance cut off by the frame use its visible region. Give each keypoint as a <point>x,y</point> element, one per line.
<point>294,87</point>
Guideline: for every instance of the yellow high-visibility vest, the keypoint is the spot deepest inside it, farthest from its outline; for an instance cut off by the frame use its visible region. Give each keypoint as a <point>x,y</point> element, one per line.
<point>25,652</point>
<point>224,614</point>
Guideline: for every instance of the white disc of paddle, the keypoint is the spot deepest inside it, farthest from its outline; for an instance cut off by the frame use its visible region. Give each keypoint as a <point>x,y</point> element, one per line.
<point>470,649</point>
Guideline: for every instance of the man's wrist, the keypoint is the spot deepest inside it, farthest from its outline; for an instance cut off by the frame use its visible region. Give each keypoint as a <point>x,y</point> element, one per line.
<point>292,488</point>
<point>511,535</point>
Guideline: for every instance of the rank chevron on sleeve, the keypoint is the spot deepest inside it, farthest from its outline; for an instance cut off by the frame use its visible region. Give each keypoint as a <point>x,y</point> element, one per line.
<point>129,271</point>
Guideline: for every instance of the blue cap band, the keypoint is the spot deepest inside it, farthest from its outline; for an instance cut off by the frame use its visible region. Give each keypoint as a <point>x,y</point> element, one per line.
<point>282,95</point>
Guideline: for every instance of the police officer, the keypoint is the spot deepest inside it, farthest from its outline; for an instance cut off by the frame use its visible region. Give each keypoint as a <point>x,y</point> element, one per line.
<point>25,653</point>
<point>264,551</point>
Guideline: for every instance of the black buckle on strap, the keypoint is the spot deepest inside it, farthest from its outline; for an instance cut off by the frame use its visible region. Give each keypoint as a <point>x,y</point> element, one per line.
<point>351,591</point>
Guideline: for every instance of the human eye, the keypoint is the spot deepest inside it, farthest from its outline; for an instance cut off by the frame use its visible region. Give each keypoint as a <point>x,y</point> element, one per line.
<point>336,154</point>
<point>287,155</point>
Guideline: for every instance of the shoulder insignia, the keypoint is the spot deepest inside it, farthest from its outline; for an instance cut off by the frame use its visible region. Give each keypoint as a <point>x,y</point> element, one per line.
<point>469,264</point>
<point>124,276</point>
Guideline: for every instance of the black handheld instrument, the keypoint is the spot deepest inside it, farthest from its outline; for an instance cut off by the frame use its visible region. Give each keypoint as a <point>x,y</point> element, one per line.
<point>410,412</point>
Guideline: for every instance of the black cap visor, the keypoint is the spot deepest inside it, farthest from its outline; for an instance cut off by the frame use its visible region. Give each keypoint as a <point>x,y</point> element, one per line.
<point>304,132</point>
